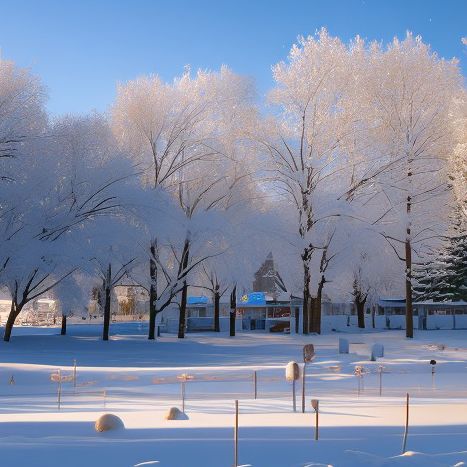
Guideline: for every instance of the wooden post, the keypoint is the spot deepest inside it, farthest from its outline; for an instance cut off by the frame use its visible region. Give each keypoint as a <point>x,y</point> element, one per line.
<point>406,431</point>
<point>255,379</point>
<point>236,435</point>
<point>308,356</point>
<point>303,387</point>
<point>380,369</point>
<point>316,426</point>
<point>294,397</point>
<point>74,373</point>
<point>315,406</point>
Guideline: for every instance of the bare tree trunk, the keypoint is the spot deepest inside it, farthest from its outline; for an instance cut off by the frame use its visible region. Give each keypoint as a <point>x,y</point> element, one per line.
<point>306,297</point>
<point>152,290</point>
<point>63,330</point>
<point>183,266</point>
<point>408,274</point>
<point>15,310</point>
<point>316,307</point>
<point>217,298</point>
<point>373,319</point>
<point>408,289</point>
<point>108,281</point>
<point>360,305</point>
<point>233,310</point>
<point>182,316</point>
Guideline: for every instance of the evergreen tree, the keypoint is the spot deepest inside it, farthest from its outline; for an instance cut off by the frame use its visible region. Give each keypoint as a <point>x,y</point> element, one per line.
<point>443,277</point>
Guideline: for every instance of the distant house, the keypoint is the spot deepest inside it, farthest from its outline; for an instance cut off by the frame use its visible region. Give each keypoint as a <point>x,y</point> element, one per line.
<point>258,311</point>
<point>427,314</point>
<point>40,312</point>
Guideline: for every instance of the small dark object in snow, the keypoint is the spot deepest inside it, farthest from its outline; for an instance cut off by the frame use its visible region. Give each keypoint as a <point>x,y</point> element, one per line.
<point>432,362</point>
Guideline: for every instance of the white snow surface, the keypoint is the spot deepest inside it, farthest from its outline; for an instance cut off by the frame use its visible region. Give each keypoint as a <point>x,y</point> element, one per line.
<point>139,380</point>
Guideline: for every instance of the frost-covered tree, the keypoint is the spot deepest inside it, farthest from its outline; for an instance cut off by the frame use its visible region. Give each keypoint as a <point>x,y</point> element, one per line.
<point>59,190</point>
<point>22,115</point>
<point>410,94</point>
<point>73,295</point>
<point>183,134</point>
<point>457,162</point>
<point>307,144</point>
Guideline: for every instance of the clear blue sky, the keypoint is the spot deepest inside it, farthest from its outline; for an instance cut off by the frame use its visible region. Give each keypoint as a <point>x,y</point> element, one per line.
<point>82,48</point>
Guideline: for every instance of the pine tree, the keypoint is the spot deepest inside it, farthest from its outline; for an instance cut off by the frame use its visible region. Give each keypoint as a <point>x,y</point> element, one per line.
<point>443,276</point>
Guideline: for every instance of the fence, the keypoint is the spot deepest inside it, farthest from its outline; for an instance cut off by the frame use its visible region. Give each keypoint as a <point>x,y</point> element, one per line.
<point>150,388</point>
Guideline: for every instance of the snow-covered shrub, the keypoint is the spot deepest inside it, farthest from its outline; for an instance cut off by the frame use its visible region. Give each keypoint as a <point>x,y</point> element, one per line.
<point>109,422</point>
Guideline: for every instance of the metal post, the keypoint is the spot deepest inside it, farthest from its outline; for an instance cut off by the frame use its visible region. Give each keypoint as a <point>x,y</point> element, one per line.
<point>236,435</point>
<point>59,394</point>
<point>303,387</point>
<point>183,395</point>
<point>406,431</point>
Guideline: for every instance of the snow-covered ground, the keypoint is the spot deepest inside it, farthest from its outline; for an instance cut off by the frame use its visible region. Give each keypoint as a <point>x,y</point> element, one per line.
<point>139,381</point>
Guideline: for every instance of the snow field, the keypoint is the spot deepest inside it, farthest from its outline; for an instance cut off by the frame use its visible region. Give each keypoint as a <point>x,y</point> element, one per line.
<point>137,381</point>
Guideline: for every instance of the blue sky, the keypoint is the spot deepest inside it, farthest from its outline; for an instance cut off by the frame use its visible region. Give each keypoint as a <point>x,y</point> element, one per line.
<point>82,48</point>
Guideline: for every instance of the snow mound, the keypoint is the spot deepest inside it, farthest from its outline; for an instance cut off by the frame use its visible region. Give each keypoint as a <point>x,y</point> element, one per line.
<point>146,463</point>
<point>175,413</point>
<point>409,458</point>
<point>109,422</point>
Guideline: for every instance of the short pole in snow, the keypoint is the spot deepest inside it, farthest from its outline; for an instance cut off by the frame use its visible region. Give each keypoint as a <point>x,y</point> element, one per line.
<point>59,391</point>
<point>308,356</point>
<point>74,373</point>
<point>104,397</point>
<point>433,363</point>
<point>315,406</point>
<point>294,397</point>
<point>292,373</point>
<point>303,387</point>
<point>182,388</point>
<point>236,435</point>
<point>358,372</point>
<point>183,379</point>
<point>255,382</point>
<point>380,371</point>
<point>406,431</point>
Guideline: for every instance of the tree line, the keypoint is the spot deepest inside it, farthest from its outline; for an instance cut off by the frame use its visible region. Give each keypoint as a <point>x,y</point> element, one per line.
<point>350,172</point>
